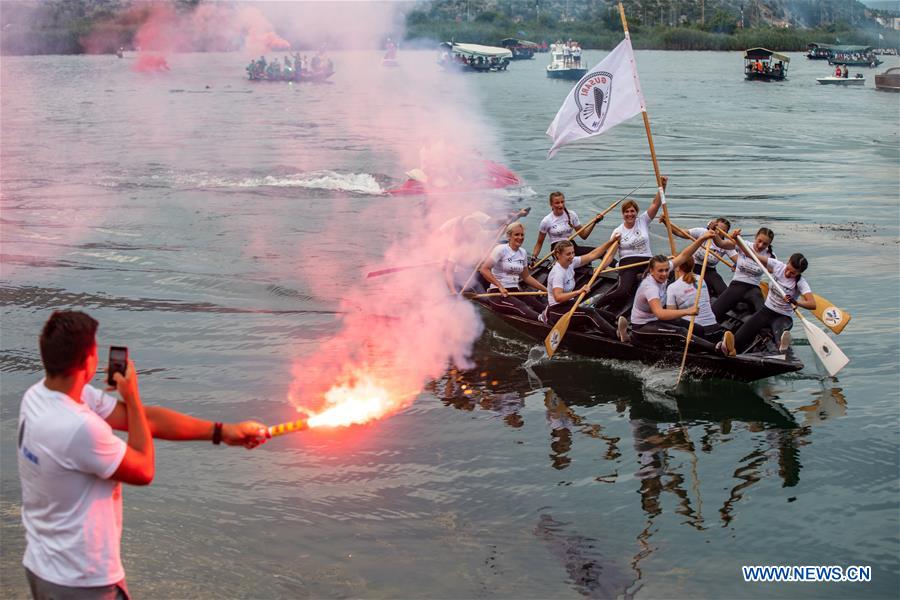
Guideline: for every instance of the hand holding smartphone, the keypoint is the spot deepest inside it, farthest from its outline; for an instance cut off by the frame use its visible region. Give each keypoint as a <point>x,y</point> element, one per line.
<point>118,363</point>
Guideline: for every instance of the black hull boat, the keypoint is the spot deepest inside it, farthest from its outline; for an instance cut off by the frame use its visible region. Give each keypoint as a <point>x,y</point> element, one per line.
<point>665,351</point>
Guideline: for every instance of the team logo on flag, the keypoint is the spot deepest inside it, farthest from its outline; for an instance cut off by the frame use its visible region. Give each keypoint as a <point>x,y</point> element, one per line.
<point>592,97</point>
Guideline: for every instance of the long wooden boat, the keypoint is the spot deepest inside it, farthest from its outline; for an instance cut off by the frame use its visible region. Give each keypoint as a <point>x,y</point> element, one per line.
<point>762,64</point>
<point>889,80</point>
<point>764,361</point>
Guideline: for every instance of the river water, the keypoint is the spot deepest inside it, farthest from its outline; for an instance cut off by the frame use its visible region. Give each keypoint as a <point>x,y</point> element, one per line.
<point>183,209</point>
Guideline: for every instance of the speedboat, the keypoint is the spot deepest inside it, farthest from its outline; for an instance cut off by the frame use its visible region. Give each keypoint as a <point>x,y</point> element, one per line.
<point>832,80</point>
<point>482,175</point>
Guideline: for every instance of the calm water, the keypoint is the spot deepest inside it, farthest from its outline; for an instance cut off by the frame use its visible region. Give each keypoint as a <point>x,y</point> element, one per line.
<point>184,209</point>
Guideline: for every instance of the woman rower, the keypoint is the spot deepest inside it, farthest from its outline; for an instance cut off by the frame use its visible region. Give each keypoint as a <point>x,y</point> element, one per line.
<point>650,320</point>
<point>634,247</point>
<point>504,268</point>
<point>744,285</point>
<point>561,224</point>
<point>682,293</point>
<point>562,292</point>
<point>777,311</point>
<point>721,245</point>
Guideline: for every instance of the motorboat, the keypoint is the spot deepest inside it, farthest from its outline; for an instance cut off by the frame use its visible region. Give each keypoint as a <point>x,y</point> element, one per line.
<point>761,64</point>
<point>889,80</point>
<point>563,67</point>
<point>478,175</point>
<point>858,80</point>
<point>474,57</point>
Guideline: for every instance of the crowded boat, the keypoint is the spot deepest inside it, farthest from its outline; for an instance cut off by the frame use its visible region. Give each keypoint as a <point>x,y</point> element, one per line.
<point>294,68</point>
<point>640,306</point>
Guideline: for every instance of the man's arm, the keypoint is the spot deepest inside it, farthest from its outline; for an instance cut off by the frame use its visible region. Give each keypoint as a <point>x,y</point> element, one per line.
<point>168,424</point>
<point>139,463</point>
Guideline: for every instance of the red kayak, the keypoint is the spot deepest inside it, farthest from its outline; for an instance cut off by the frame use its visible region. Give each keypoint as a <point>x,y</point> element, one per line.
<point>486,175</point>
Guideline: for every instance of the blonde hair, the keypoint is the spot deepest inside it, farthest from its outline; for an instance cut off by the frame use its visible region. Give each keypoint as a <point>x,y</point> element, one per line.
<point>512,226</point>
<point>560,246</point>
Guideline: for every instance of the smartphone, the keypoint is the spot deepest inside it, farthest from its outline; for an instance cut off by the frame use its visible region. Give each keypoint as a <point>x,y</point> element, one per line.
<point>118,363</point>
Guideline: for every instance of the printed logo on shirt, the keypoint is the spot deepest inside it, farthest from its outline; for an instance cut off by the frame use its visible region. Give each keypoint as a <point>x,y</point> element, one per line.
<point>30,456</point>
<point>592,95</point>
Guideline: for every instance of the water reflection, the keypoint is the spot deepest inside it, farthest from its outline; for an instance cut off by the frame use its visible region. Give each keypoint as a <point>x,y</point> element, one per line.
<point>670,436</point>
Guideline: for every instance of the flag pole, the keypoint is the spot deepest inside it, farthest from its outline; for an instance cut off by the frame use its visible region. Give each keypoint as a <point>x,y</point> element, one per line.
<point>659,185</point>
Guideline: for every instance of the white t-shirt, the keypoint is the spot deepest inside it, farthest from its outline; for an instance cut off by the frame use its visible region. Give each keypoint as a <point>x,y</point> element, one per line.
<point>701,251</point>
<point>561,278</point>
<point>558,228</point>
<point>794,288</point>
<point>649,289</point>
<point>508,265</point>
<point>71,510</point>
<point>682,295</point>
<point>634,241</point>
<point>745,268</point>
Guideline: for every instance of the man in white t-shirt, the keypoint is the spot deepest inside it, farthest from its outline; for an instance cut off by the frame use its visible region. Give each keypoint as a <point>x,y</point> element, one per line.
<point>71,465</point>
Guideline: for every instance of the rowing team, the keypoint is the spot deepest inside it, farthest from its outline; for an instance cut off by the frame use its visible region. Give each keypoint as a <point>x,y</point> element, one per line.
<point>657,304</point>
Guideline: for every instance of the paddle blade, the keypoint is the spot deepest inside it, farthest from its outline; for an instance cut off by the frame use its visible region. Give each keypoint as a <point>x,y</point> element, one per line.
<point>554,338</point>
<point>832,358</point>
<point>833,317</point>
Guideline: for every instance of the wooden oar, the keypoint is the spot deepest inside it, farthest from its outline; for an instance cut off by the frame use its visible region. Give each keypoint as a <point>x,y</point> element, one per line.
<point>831,356</point>
<point>686,234</point>
<point>690,332</point>
<point>559,330</point>
<point>390,270</point>
<point>493,294</point>
<point>826,311</point>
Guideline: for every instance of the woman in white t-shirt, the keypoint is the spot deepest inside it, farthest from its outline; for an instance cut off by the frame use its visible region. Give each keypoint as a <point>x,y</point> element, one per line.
<point>721,246</point>
<point>561,224</point>
<point>562,293</point>
<point>682,293</point>
<point>777,312</point>
<point>650,319</point>
<point>504,269</point>
<point>634,247</point>
<point>744,285</point>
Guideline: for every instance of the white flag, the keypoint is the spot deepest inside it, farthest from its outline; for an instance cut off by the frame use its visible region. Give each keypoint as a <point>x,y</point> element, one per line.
<point>607,95</point>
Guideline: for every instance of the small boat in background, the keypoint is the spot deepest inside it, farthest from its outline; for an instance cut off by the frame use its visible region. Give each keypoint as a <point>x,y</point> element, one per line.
<point>521,49</point>
<point>760,65</point>
<point>832,80</point>
<point>474,57</point>
<point>888,81</point>
<point>563,65</point>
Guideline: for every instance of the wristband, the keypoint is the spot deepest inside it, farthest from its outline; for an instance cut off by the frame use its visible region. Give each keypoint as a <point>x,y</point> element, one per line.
<point>217,433</point>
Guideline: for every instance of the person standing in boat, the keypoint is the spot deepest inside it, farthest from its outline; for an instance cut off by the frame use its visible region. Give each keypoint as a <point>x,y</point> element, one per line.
<point>651,322</point>
<point>504,269</point>
<point>561,224</point>
<point>634,247</point>
<point>562,292</point>
<point>744,285</point>
<point>777,312</point>
<point>837,71</point>
<point>846,72</point>
<point>720,246</point>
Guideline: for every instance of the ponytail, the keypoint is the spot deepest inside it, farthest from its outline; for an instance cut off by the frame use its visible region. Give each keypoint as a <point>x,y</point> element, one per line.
<point>688,267</point>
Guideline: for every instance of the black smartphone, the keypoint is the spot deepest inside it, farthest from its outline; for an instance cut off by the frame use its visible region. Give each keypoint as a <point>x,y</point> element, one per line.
<point>118,363</point>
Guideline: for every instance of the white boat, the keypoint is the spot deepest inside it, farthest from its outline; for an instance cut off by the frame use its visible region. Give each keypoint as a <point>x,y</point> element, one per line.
<point>560,69</point>
<point>832,80</point>
<point>474,57</point>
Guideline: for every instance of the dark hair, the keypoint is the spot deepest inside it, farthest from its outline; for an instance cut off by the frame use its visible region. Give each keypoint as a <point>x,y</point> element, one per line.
<point>798,262</point>
<point>769,234</point>
<point>559,194</point>
<point>725,221</point>
<point>66,341</point>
